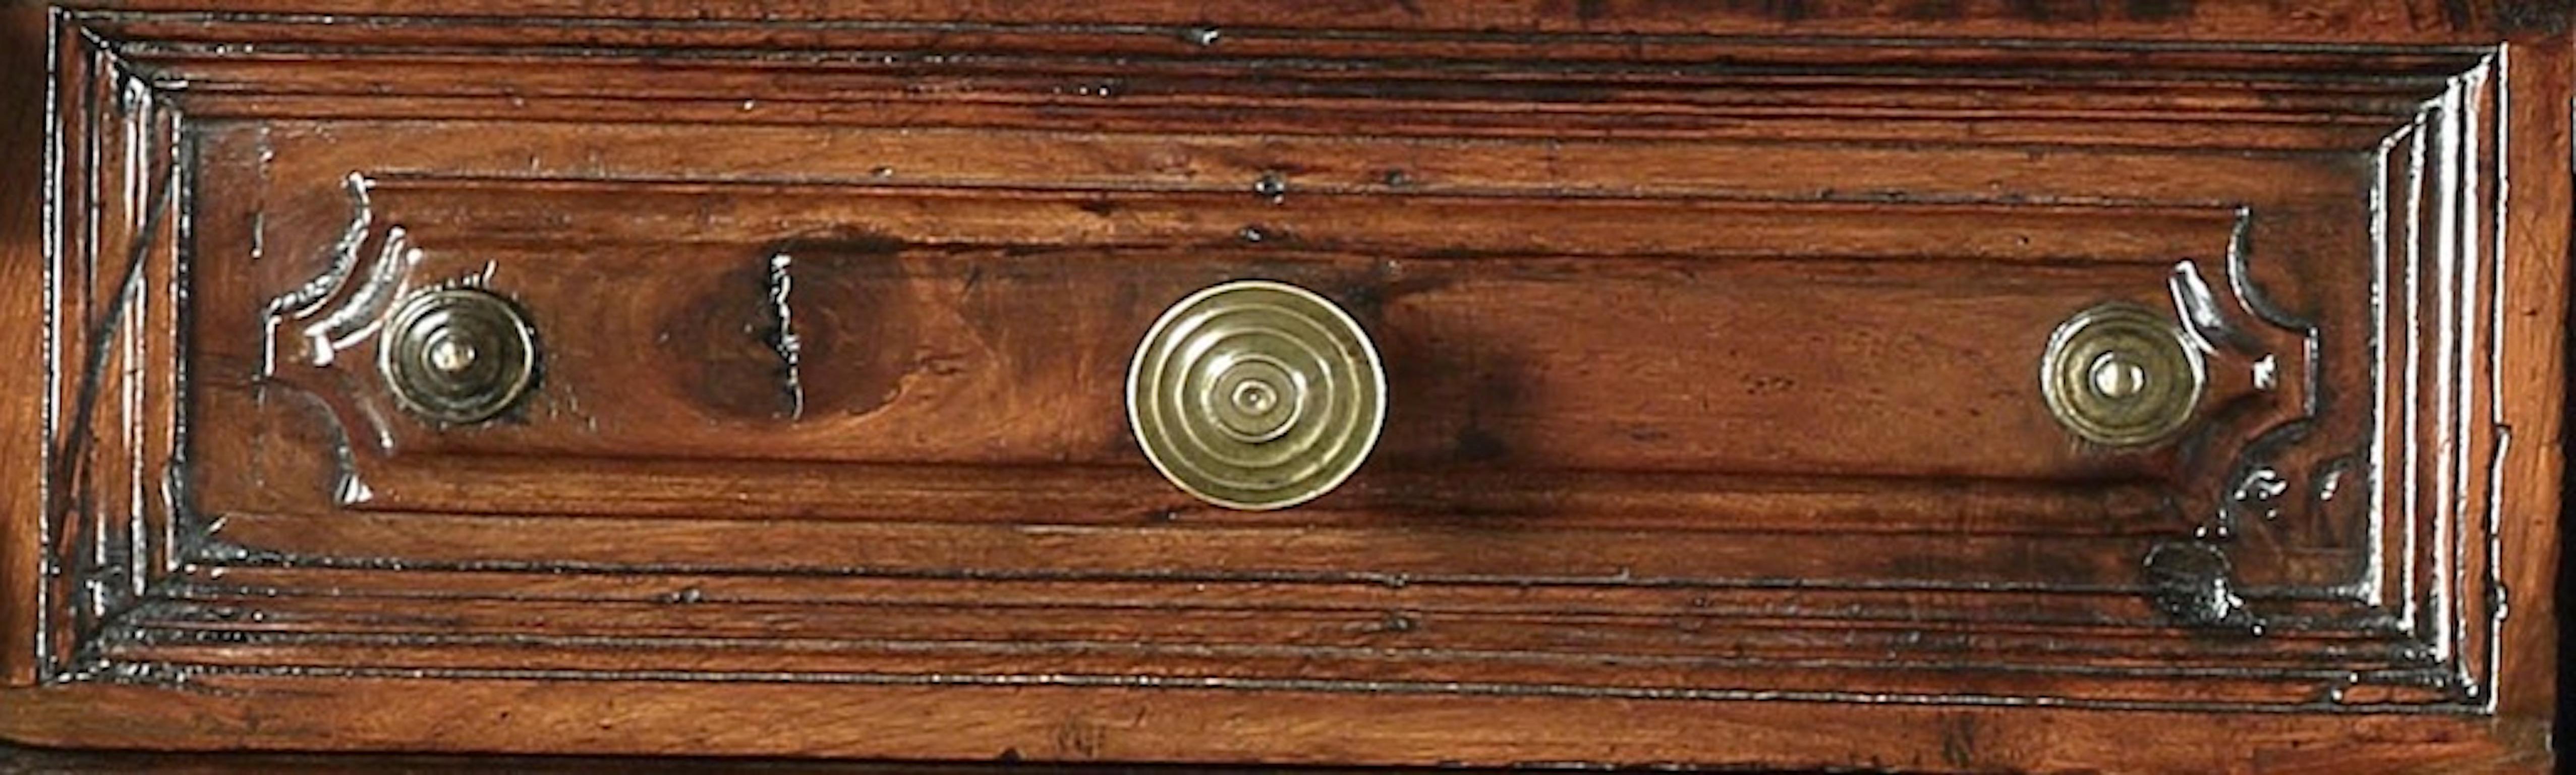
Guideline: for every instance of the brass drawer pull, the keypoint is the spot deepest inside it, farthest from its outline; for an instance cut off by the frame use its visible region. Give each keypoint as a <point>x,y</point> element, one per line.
<point>1256,395</point>
<point>458,355</point>
<point>2121,375</point>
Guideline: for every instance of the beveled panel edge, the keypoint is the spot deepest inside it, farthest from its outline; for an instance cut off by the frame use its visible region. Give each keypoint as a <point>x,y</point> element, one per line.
<point>1071,77</point>
<point>118,190</point>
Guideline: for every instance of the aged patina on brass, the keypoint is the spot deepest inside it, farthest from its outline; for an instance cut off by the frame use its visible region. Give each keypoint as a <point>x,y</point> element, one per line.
<point>457,355</point>
<point>2121,375</point>
<point>1256,395</point>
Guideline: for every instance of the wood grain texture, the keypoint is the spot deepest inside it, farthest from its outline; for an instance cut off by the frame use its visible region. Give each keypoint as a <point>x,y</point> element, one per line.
<point>1710,330</point>
<point>2534,397</point>
<point>2319,21</point>
<point>25,391</point>
<point>40,761</point>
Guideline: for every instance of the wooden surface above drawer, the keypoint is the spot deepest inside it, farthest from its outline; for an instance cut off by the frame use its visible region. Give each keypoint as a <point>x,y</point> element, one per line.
<point>1715,428</point>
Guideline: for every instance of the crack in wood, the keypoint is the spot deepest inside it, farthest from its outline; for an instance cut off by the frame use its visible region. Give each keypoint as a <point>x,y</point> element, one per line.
<point>782,336</point>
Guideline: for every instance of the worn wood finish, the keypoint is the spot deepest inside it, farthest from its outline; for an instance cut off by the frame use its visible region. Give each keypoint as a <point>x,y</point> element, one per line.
<point>42,761</point>
<point>1711,336</point>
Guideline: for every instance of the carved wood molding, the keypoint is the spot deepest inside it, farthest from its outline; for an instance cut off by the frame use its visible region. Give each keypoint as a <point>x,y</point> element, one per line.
<point>143,585</point>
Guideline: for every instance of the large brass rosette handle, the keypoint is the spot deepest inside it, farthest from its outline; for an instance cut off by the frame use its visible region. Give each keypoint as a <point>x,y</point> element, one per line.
<point>1256,395</point>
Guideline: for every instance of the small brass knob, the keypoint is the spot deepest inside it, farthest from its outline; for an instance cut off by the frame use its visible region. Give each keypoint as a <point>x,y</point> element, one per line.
<point>1256,395</point>
<point>2121,375</point>
<point>457,355</point>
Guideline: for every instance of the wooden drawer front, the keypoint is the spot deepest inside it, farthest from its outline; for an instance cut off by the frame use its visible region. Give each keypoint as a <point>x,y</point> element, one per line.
<point>1713,364</point>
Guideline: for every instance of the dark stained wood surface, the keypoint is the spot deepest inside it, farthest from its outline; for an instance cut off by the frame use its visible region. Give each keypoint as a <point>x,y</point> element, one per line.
<point>24,392</point>
<point>1710,332</point>
<point>2314,21</point>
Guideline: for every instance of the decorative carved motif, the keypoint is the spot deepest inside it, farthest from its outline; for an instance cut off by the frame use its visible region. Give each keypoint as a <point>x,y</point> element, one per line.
<point>361,309</point>
<point>330,314</point>
<point>2192,582</point>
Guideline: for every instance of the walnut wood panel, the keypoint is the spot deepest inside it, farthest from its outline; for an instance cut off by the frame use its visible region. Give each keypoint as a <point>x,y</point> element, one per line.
<point>1712,338</point>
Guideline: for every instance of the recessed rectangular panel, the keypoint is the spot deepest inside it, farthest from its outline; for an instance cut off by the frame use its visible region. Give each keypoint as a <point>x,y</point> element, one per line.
<point>1721,375</point>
